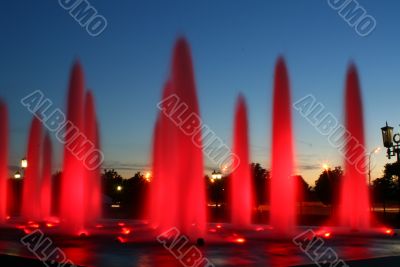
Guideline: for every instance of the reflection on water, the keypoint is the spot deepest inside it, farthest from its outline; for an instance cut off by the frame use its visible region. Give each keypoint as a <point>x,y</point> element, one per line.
<point>104,251</point>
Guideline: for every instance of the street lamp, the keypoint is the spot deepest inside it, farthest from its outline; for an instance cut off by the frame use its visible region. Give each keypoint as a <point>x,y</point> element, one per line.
<point>17,175</point>
<point>391,142</point>
<point>119,188</point>
<point>24,163</point>
<point>216,175</point>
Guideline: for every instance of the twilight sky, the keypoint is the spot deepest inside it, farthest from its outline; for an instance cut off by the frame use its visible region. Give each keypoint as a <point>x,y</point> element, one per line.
<point>234,46</point>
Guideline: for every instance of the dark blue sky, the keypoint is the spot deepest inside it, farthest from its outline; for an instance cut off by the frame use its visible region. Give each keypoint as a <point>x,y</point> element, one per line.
<point>234,45</point>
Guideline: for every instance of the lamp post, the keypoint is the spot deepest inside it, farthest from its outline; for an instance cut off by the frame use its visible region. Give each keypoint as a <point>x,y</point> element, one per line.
<point>24,165</point>
<point>21,172</point>
<point>215,176</point>
<point>17,175</point>
<point>391,142</point>
<point>376,150</point>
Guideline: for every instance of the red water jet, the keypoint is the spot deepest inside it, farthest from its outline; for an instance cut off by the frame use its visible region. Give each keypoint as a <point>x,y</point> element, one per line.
<point>190,172</point>
<point>241,184</point>
<point>92,177</point>
<point>72,180</point>
<point>163,214</point>
<point>31,193</point>
<point>45,185</point>
<point>179,192</point>
<point>282,202</point>
<point>3,160</point>
<point>354,206</point>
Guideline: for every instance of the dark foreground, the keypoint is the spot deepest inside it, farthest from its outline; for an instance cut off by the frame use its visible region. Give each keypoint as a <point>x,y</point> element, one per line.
<point>225,247</point>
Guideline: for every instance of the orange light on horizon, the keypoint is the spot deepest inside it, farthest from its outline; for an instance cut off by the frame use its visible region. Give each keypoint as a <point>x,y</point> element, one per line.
<point>325,166</point>
<point>147,176</point>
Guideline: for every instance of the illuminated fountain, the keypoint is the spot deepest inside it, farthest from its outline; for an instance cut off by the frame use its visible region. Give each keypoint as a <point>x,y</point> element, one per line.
<point>31,192</point>
<point>162,168</point>
<point>72,206</point>
<point>282,211</point>
<point>92,180</point>
<point>3,160</point>
<point>241,184</point>
<point>80,183</point>
<point>354,206</point>
<point>179,177</point>
<point>177,196</point>
<point>45,183</point>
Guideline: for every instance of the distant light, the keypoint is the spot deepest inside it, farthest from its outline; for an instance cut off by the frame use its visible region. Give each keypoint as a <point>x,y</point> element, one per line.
<point>327,235</point>
<point>121,224</point>
<point>119,188</point>
<point>240,240</point>
<point>219,226</point>
<point>121,239</point>
<point>147,176</point>
<point>17,175</point>
<point>258,229</point>
<point>216,175</point>
<point>24,163</point>
<point>126,231</point>
<point>49,225</point>
<point>325,166</point>
<point>33,224</point>
<point>389,231</point>
<point>115,206</point>
<point>224,169</point>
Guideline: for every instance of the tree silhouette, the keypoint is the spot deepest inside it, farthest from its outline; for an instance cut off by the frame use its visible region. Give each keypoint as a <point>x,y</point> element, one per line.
<point>261,178</point>
<point>304,190</point>
<point>327,185</point>
<point>387,188</point>
<point>130,194</point>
